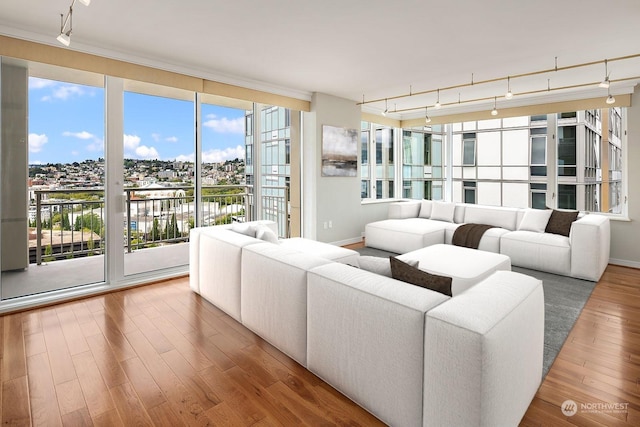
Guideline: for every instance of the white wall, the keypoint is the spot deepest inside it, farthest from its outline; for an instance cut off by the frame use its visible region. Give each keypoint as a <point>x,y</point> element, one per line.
<point>330,200</point>
<point>626,235</point>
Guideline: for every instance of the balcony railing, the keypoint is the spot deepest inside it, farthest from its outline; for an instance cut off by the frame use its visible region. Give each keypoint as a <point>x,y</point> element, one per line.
<point>70,223</point>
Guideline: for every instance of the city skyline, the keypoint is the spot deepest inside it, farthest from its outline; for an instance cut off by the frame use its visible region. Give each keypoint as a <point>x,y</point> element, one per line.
<point>66,125</point>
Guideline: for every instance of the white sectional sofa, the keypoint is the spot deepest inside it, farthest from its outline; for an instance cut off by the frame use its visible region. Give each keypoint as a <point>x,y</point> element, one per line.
<point>409,355</point>
<point>414,224</point>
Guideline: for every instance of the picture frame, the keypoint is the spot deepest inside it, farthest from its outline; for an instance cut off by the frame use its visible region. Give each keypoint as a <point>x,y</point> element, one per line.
<point>339,151</point>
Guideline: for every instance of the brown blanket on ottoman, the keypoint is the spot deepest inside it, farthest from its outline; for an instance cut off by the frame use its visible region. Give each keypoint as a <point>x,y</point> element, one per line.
<point>469,235</point>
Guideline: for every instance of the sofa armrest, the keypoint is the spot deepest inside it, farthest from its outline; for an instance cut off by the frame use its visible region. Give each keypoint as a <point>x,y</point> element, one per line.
<point>590,240</point>
<point>365,338</point>
<point>483,353</point>
<point>404,209</point>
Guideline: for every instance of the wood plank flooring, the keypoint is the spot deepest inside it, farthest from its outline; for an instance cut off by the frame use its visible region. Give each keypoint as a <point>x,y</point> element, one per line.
<point>154,355</point>
<point>599,365</point>
<point>161,355</point>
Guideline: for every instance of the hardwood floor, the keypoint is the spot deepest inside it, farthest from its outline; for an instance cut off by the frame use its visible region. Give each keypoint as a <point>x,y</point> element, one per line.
<point>154,355</point>
<point>599,365</point>
<point>161,355</point>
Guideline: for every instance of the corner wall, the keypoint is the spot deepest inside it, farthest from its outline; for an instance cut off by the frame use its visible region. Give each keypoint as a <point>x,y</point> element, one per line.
<point>625,235</point>
<point>331,200</point>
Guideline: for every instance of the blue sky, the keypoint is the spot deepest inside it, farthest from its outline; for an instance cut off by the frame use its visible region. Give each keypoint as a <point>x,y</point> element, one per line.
<point>66,124</point>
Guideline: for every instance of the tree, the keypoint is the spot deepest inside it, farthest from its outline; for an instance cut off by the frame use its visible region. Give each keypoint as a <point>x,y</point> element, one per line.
<point>66,224</point>
<point>171,228</point>
<point>90,221</point>
<point>155,230</point>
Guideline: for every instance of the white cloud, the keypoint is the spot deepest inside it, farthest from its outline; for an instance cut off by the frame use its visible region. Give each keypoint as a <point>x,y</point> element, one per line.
<point>186,158</point>
<point>155,136</point>
<point>36,142</point>
<point>131,142</point>
<point>148,153</point>
<point>132,148</point>
<point>37,83</point>
<point>171,139</point>
<point>75,153</point>
<point>80,135</point>
<point>217,156</point>
<point>224,125</point>
<point>36,162</point>
<point>65,92</point>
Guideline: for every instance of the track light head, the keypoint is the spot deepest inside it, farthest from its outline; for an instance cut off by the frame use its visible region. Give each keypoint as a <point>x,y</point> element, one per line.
<point>494,112</point>
<point>509,94</point>
<point>427,119</point>
<point>438,105</point>
<point>65,38</point>
<point>65,34</point>
<point>605,83</point>
<point>610,99</point>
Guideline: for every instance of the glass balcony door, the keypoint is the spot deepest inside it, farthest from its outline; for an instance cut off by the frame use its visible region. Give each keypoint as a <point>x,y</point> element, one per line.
<point>53,180</point>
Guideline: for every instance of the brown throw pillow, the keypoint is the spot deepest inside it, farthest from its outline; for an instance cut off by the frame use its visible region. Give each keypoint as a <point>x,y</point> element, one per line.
<point>403,271</point>
<point>560,222</point>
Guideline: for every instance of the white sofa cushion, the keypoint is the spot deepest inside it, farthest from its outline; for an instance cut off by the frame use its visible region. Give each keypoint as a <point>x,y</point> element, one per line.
<point>366,338</point>
<point>539,251</point>
<point>535,220</point>
<point>404,209</point>
<point>490,215</point>
<point>425,209</point>
<point>274,295</point>
<point>443,211</point>
<point>321,249</point>
<point>264,232</point>
<point>484,352</point>
<point>465,266</point>
<point>404,235</point>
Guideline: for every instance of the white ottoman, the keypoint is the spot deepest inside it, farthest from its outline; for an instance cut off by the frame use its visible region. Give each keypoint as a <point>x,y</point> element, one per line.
<point>321,249</point>
<point>465,266</point>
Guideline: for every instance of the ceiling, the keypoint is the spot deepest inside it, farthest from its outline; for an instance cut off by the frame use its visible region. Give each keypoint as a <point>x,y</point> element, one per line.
<point>352,49</point>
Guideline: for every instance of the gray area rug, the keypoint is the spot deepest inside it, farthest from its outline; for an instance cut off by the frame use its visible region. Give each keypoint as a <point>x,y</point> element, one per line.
<point>564,298</point>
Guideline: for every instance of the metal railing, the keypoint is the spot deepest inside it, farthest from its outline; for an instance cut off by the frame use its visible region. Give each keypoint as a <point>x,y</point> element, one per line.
<point>70,223</point>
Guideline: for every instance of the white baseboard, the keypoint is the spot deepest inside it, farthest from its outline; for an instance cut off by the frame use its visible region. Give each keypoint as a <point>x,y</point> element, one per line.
<point>624,263</point>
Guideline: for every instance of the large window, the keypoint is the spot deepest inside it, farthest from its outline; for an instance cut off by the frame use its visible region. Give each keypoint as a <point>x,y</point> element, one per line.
<point>567,151</point>
<point>507,161</point>
<point>65,167</point>
<point>422,163</point>
<point>159,142</point>
<point>538,151</point>
<point>377,174</point>
<point>469,149</point>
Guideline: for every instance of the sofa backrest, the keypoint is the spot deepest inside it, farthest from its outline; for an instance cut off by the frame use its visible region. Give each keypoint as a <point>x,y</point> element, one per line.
<point>491,215</point>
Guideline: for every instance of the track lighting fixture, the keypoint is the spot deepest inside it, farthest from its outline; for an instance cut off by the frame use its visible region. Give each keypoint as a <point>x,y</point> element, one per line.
<point>509,94</point>
<point>427,119</point>
<point>494,112</point>
<point>66,23</point>
<point>605,83</point>
<point>610,99</point>
<point>386,108</point>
